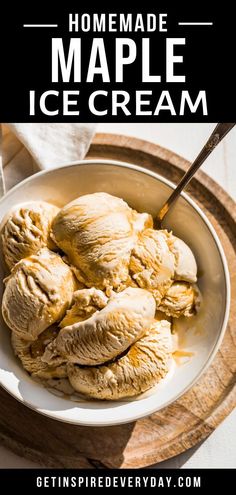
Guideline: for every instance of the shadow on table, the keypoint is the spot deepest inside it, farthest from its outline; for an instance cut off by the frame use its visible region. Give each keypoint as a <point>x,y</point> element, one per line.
<point>61,445</point>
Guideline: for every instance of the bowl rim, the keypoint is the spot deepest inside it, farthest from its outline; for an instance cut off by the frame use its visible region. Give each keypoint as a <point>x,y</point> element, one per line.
<point>155,175</point>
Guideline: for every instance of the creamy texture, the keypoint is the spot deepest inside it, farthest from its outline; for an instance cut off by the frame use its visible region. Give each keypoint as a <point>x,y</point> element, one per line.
<point>27,230</point>
<point>181,299</point>
<point>185,263</point>
<point>97,232</point>
<point>85,302</point>
<point>111,338</point>
<point>107,333</point>
<point>152,264</point>
<point>30,354</point>
<point>144,365</point>
<point>158,261</point>
<point>37,294</point>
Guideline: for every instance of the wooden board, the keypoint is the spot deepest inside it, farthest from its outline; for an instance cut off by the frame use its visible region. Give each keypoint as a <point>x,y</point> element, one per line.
<point>182,424</point>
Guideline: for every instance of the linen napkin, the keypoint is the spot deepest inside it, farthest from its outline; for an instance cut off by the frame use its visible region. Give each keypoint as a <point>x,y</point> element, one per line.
<point>27,148</point>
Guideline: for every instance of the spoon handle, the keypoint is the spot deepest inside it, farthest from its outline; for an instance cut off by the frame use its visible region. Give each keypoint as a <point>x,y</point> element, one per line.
<point>217,135</point>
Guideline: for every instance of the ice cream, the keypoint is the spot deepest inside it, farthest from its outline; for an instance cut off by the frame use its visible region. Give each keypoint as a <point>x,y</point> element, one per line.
<point>185,263</point>
<point>181,299</point>
<point>112,337</point>
<point>30,354</point>
<point>105,334</point>
<point>158,260</point>
<point>144,365</point>
<point>97,232</point>
<point>38,292</point>
<point>27,230</point>
<point>152,264</point>
<point>85,302</point>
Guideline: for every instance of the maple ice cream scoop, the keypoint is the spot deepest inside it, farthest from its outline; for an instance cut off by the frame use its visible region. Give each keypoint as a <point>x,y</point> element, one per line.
<point>97,232</point>
<point>27,230</point>
<point>38,292</point>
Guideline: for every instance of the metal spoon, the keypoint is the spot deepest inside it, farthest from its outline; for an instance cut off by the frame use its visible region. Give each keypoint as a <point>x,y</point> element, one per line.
<point>217,135</point>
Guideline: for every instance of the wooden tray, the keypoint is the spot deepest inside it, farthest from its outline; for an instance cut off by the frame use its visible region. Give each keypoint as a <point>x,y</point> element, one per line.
<point>177,427</point>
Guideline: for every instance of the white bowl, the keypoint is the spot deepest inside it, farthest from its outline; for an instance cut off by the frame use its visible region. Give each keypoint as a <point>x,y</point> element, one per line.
<point>145,191</point>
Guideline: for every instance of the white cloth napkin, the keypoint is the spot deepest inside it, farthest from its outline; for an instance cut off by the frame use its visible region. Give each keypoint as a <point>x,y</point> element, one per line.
<point>27,148</point>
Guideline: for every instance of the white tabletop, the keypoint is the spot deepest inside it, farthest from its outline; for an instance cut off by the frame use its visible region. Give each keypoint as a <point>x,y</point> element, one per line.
<point>219,450</point>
